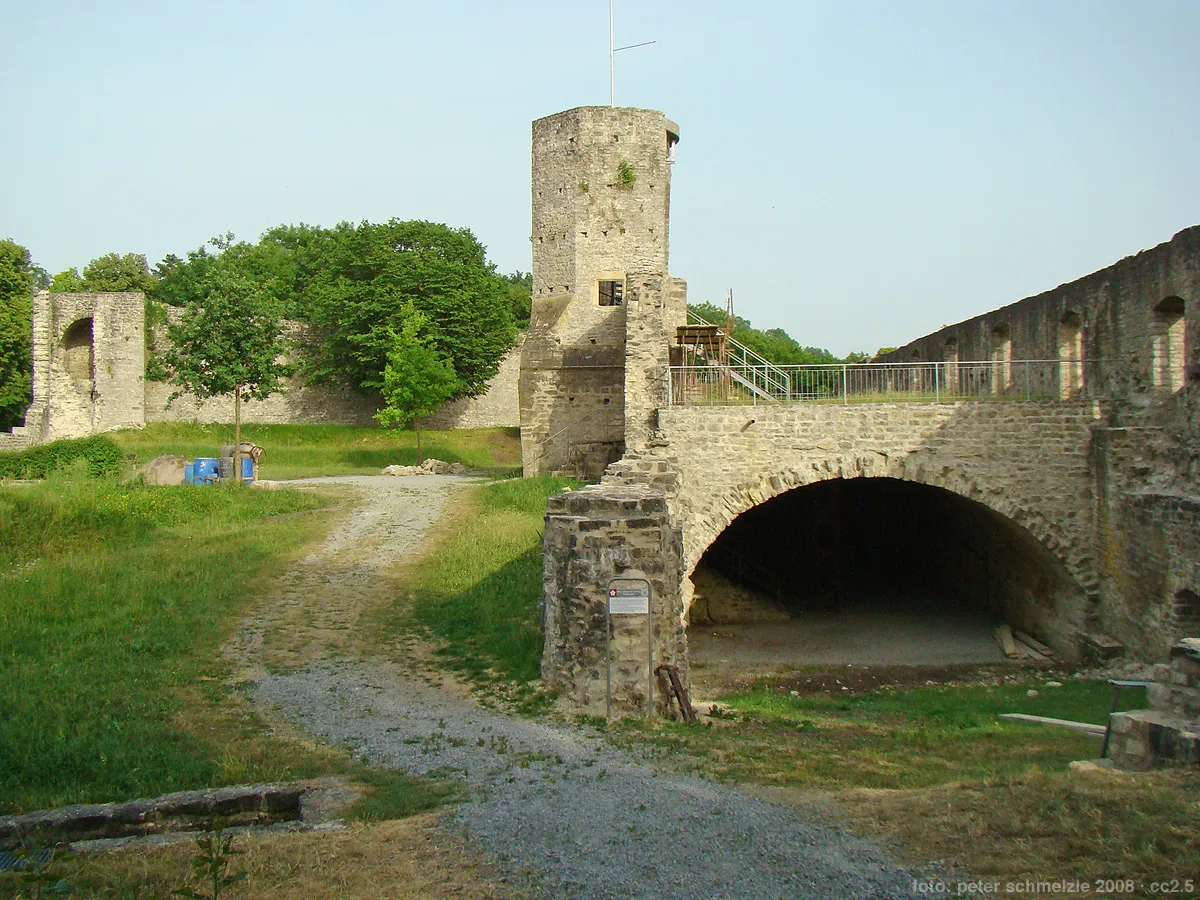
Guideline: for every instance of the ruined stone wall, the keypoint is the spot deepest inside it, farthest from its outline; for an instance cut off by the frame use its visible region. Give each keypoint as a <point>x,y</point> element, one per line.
<point>592,535</point>
<point>88,364</point>
<point>1125,317</point>
<point>1028,462</point>
<point>601,200</point>
<point>654,310</point>
<point>296,404</point>
<point>1137,326</point>
<point>116,394</point>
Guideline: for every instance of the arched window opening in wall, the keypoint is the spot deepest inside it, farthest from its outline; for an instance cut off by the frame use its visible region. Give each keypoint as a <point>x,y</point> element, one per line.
<point>1001,359</point>
<point>1070,355</point>
<point>950,362</point>
<point>1185,614</point>
<point>79,352</point>
<point>1167,350</point>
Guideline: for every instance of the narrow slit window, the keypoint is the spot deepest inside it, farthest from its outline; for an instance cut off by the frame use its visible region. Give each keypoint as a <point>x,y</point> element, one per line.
<point>611,293</point>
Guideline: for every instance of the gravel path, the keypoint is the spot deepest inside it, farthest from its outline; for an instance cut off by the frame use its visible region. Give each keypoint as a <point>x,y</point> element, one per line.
<point>571,815</point>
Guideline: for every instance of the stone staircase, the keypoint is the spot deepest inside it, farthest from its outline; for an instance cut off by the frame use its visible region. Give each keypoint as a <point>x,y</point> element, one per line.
<point>17,439</point>
<point>1168,732</point>
<point>25,435</point>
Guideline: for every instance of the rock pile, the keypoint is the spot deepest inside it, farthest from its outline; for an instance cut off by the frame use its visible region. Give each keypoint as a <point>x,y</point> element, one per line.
<point>428,467</point>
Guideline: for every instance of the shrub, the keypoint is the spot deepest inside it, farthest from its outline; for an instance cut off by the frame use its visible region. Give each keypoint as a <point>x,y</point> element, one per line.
<point>103,457</point>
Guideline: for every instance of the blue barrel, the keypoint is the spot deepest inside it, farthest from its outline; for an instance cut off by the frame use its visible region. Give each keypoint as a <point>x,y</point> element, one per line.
<point>206,470</point>
<point>189,473</point>
<point>247,469</point>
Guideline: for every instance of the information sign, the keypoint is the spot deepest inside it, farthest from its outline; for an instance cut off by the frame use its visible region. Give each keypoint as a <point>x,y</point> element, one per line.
<point>629,601</point>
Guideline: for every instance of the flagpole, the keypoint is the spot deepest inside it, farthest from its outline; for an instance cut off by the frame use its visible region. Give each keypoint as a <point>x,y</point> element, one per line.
<point>612,59</point>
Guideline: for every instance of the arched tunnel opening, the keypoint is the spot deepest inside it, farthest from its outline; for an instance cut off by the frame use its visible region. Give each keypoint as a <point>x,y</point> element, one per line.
<point>871,571</point>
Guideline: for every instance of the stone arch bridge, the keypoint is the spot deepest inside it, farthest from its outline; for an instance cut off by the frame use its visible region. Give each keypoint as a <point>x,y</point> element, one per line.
<point>1028,465</point>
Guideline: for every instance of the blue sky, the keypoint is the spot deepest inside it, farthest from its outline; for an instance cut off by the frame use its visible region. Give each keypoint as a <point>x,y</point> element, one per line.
<point>859,173</point>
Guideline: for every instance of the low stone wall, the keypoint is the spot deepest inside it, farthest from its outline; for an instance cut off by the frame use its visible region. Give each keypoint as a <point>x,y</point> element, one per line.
<point>297,404</point>
<point>592,535</point>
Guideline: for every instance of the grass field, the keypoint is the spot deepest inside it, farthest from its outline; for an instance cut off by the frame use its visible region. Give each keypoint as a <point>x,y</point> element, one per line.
<point>304,451</point>
<point>933,770</point>
<point>478,595</point>
<point>114,600</point>
<point>893,739</point>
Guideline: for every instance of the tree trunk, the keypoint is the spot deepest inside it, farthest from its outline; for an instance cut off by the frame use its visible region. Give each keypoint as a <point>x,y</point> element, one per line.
<point>237,434</point>
<point>417,428</point>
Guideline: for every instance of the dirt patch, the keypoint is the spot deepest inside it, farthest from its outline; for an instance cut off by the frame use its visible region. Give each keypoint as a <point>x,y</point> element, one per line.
<point>893,633</point>
<point>315,610</point>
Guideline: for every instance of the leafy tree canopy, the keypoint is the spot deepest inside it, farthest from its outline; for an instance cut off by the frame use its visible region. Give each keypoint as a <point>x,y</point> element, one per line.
<point>368,274</point>
<point>17,277</point>
<point>114,272</point>
<point>111,272</point>
<point>228,340</point>
<point>67,281</point>
<point>280,262</point>
<point>774,344</point>
<point>353,283</point>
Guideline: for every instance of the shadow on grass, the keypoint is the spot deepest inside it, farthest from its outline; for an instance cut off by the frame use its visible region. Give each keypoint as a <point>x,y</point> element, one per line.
<point>492,629</point>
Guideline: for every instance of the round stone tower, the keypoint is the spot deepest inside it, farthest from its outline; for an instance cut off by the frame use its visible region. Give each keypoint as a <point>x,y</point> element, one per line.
<point>601,207</point>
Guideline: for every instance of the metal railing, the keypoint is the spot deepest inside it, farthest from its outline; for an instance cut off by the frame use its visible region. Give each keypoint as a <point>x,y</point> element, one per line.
<point>929,382</point>
<point>753,371</point>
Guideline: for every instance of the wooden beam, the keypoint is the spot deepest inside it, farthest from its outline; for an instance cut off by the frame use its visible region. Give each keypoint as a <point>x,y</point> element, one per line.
<point>1097,730</point>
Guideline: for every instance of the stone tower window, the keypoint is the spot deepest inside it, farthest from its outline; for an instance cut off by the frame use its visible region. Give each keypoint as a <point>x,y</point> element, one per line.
<point>1167,337</point>
<point>1070,355</point>
<point>611,293</point>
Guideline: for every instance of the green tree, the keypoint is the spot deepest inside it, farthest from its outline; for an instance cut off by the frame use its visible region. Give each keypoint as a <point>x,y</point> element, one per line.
<point>16,283</point>
<point>284,259</point>
<point>67,281</point>
<point>417,378</point>
<point>366,276</point>
<point>230,343</point>
<point>114,272</point>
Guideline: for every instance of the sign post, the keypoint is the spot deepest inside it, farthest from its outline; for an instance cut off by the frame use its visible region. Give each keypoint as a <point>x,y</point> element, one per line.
<point>629,595</point>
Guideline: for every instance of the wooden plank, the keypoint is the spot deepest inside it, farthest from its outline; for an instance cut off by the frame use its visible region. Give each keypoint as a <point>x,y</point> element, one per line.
<point>1030,654</point>
<point>1032,643</point>
<point>1085,727</point>
<point>1004,638</point>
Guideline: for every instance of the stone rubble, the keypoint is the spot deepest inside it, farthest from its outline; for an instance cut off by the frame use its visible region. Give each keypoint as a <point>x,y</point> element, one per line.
<point>428,467</point>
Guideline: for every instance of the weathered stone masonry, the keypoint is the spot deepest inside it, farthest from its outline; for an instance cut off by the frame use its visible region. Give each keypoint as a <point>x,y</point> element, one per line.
<point>593,535</point>
<point>1136,326</point>
<point>89,355</point>
<point>604,307</point>
<point>1105,480</point>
